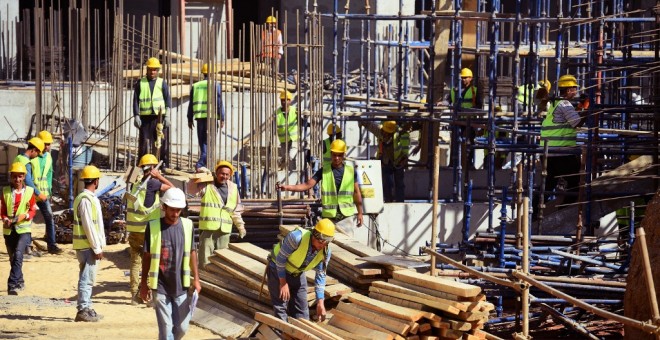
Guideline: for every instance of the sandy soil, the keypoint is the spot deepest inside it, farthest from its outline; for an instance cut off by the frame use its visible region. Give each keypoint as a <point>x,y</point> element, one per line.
<point>47,307</point>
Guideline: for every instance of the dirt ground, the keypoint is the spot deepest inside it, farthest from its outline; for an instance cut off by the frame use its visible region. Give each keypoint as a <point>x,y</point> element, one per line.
<point>47,307</point>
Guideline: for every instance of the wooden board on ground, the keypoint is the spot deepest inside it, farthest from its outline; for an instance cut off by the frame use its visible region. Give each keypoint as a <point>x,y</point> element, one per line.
<point>348,260</point>
<point>364,323</point>
<point>342,333</point>
<point>220,319</point>
<point>357,329</point>
<point>313,329</point>
<point>446,306</point>
<point>267,333</point>
<point>386,308</point>
<point>421,297</point>
<point>390,323</point>
<point>391,260</point>
<point>294,331</point>
<point>452,287</point>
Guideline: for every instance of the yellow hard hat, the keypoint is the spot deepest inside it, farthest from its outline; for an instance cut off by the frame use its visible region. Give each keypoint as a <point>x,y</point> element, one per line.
<point>153,63</point>
<point>545,83</point>
<point>325,230</point>
<point>567,80</point>
<point>226,164</point>
<point>148,159</point>
<point>90,172</point>
<point>286,95</point>
<point>389,126</point>
<point>333,128</point>
<point>37,142</point>
<point>205,69</point>
<point>46,137</point>
<point>466,72</point>
<point>271,20</point>
<point>338,146</point>
<point>18,167</point>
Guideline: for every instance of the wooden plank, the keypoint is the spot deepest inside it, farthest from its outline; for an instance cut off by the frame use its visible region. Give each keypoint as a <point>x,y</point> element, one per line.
<point>398,261</point>
<point>317,331</point>
<point>357,329</point>
<point>386,308</point>
<point>396,301</point>
<point>349,260</point>
<point>459,325</point>
<point>365,323</point>
<point>317,327</point>
<point>342,333</point>
<point>454,306</point>
<point>432,292</point>
<point>338,289</point>
<point>387,322</point>
<point>235,299</point>
<point>450,333</point>
<point>452,287</point>
<point>267,332</point>
<point>427,302</point>
<point>285,327</point>
<point>250,250</point>
<point>219,319</point>
<point>253,267</point>
<point>250,286</point>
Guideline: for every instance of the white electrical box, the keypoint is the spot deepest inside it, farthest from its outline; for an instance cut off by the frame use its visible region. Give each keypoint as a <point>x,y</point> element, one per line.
<point>370,181</point>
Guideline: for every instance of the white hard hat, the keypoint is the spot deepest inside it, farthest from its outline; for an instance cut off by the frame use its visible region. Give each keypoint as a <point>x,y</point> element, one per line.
<point>174,198</point>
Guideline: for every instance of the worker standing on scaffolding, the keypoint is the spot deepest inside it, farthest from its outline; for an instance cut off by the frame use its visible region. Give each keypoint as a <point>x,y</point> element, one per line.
<point>340,194</point>
<point>470,99</point>
<point>287,131</point>
<point>151,108</point>
<point>197,110</point>
<point>271,44</point>
<point>559,132</point>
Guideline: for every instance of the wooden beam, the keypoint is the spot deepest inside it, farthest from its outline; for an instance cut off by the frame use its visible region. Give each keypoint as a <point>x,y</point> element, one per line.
<point>434,282</point>
<point>440,303</point>
<point>342,333</point>
<point>387,322</point>
<point>285,327</point>
<point>349,325</point>
<point>364,323</point>
<point>386,308</point>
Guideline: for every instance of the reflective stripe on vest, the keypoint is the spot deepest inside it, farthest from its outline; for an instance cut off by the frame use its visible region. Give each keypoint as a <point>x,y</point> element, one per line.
<point>557,134</point>
<point>39,175</point>
<point>327,155</point>
<point>469,99</point>
<point>287,131</point>
<point>200,99</point>
<point>23,207</point>
<point>294,264</point>
<point>331,199</point>
<point>137,215</point>
<point>214,213</point>
<point>151,103</point>
<point>154,249</point>
<point>79,237</point>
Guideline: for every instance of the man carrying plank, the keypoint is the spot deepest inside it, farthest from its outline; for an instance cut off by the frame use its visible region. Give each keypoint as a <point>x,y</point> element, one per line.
<point>299,251</point>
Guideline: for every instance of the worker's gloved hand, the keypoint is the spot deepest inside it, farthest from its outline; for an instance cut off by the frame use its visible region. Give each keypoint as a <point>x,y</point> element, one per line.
<point>43,197</point>
<point>137,122</point>
<point>166,121</point>
<point>241,231</point>
<point>191,124</point>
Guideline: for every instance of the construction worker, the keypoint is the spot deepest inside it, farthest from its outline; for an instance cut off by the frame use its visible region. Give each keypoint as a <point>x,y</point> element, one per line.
<point>143,208</point>
<point>340,194</point>
<point>221,209</point>
<point>151,113</point>
<point>529,94</point>
<point>393,149</point>
<point>559,132</point>
<point>542,96</point>
<point>272,44</point>
<point>197,110</point>
<point>42,173</point>
<point>470,98</point>
<point>34,149</point>
<point>333,130</point>
<point>169,267</point>
<point>299,251</point>
<point>18,209</point>
<point>88,241</point>
<point>286,117</point>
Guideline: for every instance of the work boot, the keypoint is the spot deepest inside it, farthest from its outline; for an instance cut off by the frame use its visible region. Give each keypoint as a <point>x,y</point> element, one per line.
<point>136,300</point>
<point>85,315</point>
<point>55,250</point>
<point>93,312</point>
<point>12,291</point>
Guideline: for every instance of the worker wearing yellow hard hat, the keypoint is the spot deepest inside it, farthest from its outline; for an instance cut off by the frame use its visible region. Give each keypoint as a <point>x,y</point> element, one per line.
<point>287,282</point>
<point>198,111</point>
<point>333,130</point>
<point>559,132</point>
<point>151,112</point>
<point>470,98</point>
<point>286,120</point>
<point>220,213</point>
<point>272,46</point>
<point>341,199</point>
<point>35,147</point>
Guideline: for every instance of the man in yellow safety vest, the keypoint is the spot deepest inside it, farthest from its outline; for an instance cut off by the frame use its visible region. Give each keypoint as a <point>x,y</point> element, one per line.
<point>332,131</point>
<point>286,119</point>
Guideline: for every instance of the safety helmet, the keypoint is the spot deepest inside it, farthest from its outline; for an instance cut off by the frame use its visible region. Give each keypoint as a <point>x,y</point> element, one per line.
<point>90,172</point>
<point>332,128</point>
<point>38,143</point>
<point>153,63</point>
<point>271,20</point>
<point>174,198</point>
<point>567,80</point>
<point>18,167</point>
<point>286,95</point>
<point>226,164</point>
<point>338,146</point>
<point>205,69</point>
<point>545,83</point>
<point>389,126</point>
<point>466,72</point>
<point>46,137</point>
<point>148,159</point>
<point>324,230</point>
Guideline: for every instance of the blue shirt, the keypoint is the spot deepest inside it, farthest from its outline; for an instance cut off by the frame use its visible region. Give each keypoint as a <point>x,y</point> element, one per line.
<point>220,109</point>
<point>29,180</point>
<point>289,244</point>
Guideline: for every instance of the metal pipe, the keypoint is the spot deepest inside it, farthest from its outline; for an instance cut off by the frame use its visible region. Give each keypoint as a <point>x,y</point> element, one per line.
<point>648,273</point>
<point>524,297</point>
<point>434,218</point>
<point>576,326</point>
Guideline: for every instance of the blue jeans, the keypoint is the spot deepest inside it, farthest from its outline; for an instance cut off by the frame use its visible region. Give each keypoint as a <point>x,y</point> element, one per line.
<point>202,141</point>
<point>86,277</point>
<point>16,245</point>
<point>173,315</point>
<point>297,306</point>
<point>47,213</point>
<point>393,179</point>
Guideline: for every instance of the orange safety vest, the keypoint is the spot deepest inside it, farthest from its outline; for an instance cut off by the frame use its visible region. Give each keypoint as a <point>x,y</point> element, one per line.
<point>271,44</point>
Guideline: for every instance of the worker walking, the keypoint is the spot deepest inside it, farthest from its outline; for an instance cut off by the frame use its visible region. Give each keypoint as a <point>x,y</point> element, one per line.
<point>221,209</point>
<point>34,148</point>
<point>340,195</point>
<point>42,172</point>
<point>18,209</point>
<point>139,212</point>
<point>286,117</point>
<point>151,113</point>
<point>559,132</point>
<point>272,44</point>
<point>332,131</point>
<point>197,110</point>
<point>169,267</point>
<point>393,150</point>
<point>299,251</point>
<point>88,241</point>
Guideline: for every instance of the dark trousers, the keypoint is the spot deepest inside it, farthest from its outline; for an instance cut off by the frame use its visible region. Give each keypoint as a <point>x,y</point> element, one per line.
<point>297,306</point>
<point>16,244</point>
<point>202,140</point>
<point>147,139</point>
<point>560,166</point>
<point>47,213</point>
<point>393,182</point>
